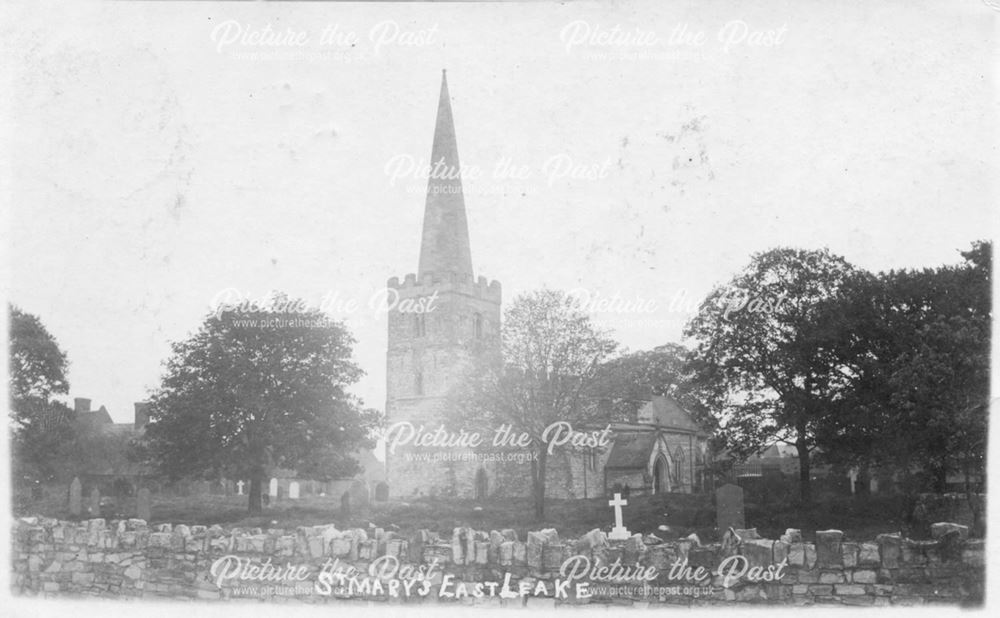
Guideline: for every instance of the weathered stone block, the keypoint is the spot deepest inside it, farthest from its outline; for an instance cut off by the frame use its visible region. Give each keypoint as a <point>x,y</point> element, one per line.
<point>849,589</point>
<point>831,577</point>
<point>939,529</point>
<point>482,552</point>
<point>797,554</point>
<point>506,553</point>
<point>520,552</point>
<point>849,554</point>
<point>828,550</point>
<point>890,549</point>
<point>758,552</point>
<point>781,551</point>
<point>864,576</point>
<point>868,554</point>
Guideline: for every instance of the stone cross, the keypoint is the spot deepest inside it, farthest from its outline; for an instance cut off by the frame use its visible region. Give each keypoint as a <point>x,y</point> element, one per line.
<point>95,502</point>
<point>143,506</point>
<point>293,490</point>
<point>274,488</point>
<point>239,488</point>
<point>729,508</point>
<point>619,532</point>
<point>75,497</point>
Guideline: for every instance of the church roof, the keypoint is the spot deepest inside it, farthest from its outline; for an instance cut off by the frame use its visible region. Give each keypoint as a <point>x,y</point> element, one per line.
<point>663,410</point>
<point>444,247</point>
<point>631,449</point>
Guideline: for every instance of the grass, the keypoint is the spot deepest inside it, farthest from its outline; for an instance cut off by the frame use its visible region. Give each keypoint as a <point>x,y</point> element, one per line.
<point>859,518</point>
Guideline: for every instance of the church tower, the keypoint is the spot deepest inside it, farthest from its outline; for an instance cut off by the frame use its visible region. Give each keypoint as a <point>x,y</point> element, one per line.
<point>430,352</point>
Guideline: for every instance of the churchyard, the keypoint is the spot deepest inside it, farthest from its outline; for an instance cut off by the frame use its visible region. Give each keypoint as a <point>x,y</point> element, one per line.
<point>859,517</point>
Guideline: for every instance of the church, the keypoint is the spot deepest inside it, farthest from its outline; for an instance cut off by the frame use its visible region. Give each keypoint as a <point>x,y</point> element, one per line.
<point>430,353</point>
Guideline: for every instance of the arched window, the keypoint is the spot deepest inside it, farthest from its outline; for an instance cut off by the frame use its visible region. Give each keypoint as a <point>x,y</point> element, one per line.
<point>477,326</point>
<point>677,467</point>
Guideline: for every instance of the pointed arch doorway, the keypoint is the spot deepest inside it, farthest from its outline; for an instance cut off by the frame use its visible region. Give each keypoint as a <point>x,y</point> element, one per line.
<point>661,475</point>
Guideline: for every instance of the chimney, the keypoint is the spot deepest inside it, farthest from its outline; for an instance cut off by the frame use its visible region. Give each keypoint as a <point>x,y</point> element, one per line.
<point>141,415</point>
<point>81,405</point>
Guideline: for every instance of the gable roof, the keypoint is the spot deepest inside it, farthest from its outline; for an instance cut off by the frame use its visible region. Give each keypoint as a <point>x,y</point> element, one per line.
<point>665,411</point>
<point>631,449</point>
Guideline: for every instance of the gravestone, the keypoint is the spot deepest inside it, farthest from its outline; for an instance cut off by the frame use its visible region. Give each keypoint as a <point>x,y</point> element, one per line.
<point>273,489</point>
<point>75,497</point>
<point>619,532</point>
<point>143,505</point>
<point>729,508</point>
<point>359,493</point>
<point>94,504</point>
<point>239,488</point>
<point>293,490</point>
<point>381,492</point>
<point>345,506</point>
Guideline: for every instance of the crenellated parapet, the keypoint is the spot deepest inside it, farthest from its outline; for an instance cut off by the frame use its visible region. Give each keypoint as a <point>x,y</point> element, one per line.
<point>443,282</point>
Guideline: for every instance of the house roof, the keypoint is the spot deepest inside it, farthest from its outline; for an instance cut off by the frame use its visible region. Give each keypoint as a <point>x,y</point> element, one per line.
<point>631,449</point>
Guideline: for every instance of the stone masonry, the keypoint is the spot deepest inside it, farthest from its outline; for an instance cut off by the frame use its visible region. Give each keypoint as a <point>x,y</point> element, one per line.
<point>129,559</point>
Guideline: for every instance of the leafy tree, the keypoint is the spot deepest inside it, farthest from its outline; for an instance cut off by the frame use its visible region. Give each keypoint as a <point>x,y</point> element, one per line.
<point>39,423</point>
<point>254,391</point>
<point>916,345</point>
<point>550,353</point>
<point>621,385</point>
<point>755,364</point>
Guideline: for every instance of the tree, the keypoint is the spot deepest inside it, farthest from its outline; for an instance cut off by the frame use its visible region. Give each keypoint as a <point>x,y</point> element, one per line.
<point>39,423</point>
<point>550,353</point>
<point>623,384</point>
<point>755,364</point>
<point>257,390</point>
<point>916,345</point>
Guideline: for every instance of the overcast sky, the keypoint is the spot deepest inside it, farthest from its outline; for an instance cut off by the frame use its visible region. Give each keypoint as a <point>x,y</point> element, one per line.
<point>156,162</point>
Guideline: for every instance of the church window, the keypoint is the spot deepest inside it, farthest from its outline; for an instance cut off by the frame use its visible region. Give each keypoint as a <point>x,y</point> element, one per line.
<point>419,325</point>
<point>477,322</point>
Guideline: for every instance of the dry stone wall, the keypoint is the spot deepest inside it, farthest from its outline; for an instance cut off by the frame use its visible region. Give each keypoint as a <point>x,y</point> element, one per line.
<point>323,564</point>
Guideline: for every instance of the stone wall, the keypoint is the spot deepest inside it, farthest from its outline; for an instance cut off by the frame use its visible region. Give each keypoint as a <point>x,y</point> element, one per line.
<point>323,564</point>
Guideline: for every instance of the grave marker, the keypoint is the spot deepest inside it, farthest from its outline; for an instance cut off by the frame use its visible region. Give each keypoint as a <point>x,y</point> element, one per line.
<point>273,489</point>
<point>619,532</point>
<point>143,505</point>
<point>75,497</point>
<point>293,490</point>
<point>94,504</point>
<point>729,508</point>
<point>239,488</point>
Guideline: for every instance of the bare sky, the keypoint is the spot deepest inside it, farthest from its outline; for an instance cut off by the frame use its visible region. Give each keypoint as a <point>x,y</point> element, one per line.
<point>162,153</point>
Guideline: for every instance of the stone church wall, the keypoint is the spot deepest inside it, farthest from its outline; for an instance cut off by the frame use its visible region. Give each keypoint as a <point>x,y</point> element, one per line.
<point>129,559</point>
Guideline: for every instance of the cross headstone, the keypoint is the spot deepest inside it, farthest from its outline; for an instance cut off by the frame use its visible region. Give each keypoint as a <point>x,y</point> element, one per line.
<point>94,504</point>
<point>729,507</point>
<point>273,489</point>
<point>75,497</point>
<point>619,532</point>
<point>143,505</point>
<point>293,490</point>
<point>239,488</point>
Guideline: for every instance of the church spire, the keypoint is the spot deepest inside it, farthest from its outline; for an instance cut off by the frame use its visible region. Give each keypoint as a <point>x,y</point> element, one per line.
<point>445,243</point>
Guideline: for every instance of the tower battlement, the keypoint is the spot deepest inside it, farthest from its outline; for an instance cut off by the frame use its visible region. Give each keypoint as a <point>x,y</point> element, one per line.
<point>443,282</point>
